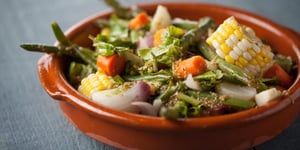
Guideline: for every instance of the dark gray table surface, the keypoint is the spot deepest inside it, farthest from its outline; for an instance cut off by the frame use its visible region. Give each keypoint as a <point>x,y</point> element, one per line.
<point>30,119</point>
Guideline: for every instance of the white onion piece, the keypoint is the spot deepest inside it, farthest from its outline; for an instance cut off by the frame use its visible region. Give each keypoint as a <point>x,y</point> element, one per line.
<point>145,42</point>
<point>161,19</point>
<point>266,96</point>
<point>121,100</point>
<point>157,103</point>
<point>142,43</point>
<point>145,108</point>
<point>191,83</point>
<point>236,91</point>
<point>211,65</point>
<point>133,58</point>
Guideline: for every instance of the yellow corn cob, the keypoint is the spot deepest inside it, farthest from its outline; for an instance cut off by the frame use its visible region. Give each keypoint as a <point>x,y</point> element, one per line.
<point>95,82</point>
<point>239,45</point>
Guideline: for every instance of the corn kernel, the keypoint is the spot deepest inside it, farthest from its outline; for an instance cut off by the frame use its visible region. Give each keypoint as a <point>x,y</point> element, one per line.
<point>238,33</point>
<point>256,48</point>
<point>243,61</point>
<point>209,41</point>
<point>253,62</point>
<point>233,38</point>
<point>241,46</point>
<point>229,59</point>
<point>246,43</point>
<point>105,31</point>
<point>222,32</point>
<point>216,44</point>
<point>238,64</point>
<point>233,55</point>
<point>261,63</point>
<point>220,53</point>
<point>252,52</point>
<point>95,82</point>
<point>247,56</point>
<point>267,59</point>
<point>229,42</point>
<point>225,48</point>
<point>259,58</point>
<point>237,50</point>
<point>228,29</point>
<point>219,39</point>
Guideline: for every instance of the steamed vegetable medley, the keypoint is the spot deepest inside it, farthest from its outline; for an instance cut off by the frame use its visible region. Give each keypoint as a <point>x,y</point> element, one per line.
<point>174,68</point>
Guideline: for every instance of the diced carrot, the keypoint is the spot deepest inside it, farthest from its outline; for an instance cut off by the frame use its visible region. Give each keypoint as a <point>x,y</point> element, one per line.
<point>139,21</point>
<point>158,37</point>
<point>111,65</point>
<point>195,65</point>
<point>278,72</point>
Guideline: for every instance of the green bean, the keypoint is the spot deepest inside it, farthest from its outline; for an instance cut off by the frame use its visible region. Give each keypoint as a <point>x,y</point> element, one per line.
<point>234,71</point>
<point>194,111</point>
<point>206,51</point>
<point>172,90</point>
<point>149,77</point>
<point>185,24</point>
<point>188,99</point>
<point>285,62</point>
<point>270,81</point>
<point>238,103</point>
<point>204,95</point>
<point>210,75</point>
<point>179,110</point>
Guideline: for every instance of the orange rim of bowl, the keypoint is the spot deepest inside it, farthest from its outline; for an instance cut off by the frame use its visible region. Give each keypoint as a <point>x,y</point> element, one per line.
<point>72,96</point>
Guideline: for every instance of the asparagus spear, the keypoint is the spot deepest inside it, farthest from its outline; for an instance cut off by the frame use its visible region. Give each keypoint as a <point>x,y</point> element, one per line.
<point>47,49</point>
<point>65,47</point>
<point>195,35</point>
<point>60,36</point>
<point>119,10</point>
<point>231,70</point>
<point>206,51</point>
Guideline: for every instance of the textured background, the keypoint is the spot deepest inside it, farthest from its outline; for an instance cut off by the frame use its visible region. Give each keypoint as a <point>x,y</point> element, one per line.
<point>30,119</point>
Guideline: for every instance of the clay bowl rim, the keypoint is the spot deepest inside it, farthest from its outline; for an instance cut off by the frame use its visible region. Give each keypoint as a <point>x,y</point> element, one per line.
<point>69,94</point>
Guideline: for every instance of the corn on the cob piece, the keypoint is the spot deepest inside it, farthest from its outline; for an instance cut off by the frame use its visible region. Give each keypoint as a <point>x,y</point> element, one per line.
<point>239,45</point>
<point>95,82</point>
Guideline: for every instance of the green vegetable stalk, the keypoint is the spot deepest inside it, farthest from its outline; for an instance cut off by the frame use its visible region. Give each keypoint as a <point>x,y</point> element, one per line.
<point>120,11</point>
<point>195,35</point>
<point>65,47</point>
<point>84,57</point>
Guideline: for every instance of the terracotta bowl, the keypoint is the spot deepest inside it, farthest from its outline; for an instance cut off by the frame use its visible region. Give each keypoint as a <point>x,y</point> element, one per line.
<point>131,131</point>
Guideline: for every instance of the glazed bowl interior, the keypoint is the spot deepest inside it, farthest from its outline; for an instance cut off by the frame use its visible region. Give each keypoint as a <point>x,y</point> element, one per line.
<point>280,38</point>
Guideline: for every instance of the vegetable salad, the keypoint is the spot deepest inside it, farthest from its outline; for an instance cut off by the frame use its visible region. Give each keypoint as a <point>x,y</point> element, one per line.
<point>173,67</point>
